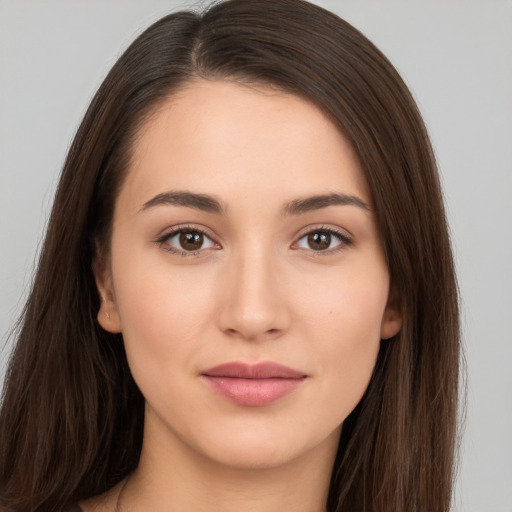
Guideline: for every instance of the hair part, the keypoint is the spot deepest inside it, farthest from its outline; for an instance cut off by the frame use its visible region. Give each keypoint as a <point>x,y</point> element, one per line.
<point>72,417</point>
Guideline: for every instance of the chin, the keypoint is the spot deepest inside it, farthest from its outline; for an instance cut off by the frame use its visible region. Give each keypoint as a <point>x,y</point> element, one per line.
<point>259,456</point>
<point>257,449</point>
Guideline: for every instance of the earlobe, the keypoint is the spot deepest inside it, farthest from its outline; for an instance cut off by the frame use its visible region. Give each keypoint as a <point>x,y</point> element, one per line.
<point>108,316</point>
<point>393,317</point>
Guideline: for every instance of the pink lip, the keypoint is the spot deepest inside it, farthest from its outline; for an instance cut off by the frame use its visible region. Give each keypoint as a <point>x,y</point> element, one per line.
<point>253,385</point>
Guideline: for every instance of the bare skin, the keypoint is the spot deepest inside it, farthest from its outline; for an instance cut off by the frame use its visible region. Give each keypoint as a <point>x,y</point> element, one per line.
<point>286,266</point>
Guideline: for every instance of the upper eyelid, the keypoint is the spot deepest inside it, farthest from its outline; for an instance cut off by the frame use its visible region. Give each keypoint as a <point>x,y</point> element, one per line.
<point>344,239</point>
<point>336,230</point>
<point>170,231</point>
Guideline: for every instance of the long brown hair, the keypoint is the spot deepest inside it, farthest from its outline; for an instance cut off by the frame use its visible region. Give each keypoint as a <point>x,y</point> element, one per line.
<point>71,418</point>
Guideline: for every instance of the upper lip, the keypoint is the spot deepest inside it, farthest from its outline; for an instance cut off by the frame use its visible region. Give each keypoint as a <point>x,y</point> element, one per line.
<point>263,370</point>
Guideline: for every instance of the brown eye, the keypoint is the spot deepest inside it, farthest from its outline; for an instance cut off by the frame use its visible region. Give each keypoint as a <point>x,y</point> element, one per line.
<point>324,240</point>
<point>191,240</point>
<point>187,242</point>
<point>319,241</point>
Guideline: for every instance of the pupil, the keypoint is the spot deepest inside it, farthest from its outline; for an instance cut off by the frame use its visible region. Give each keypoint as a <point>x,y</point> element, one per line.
<point>319,241</point>
<point>191,241</point>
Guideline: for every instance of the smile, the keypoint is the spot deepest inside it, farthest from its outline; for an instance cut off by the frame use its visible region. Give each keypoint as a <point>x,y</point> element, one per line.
<point>254,385</point>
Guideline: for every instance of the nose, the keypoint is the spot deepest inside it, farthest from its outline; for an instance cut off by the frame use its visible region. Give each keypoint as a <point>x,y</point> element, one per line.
<point>254,305</point>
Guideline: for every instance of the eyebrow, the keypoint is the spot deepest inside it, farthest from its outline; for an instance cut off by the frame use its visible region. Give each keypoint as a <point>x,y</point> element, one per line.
<point>209,204</point>
<point>308,204</point>
<point>201,202</point>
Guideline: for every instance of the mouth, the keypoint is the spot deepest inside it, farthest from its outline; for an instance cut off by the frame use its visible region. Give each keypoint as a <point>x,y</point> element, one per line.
<point>253,385</point>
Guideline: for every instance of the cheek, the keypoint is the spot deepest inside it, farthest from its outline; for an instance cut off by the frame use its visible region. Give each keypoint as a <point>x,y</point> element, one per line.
<point>345,323</point>
<point>162,312</point>
<point>347,305</point>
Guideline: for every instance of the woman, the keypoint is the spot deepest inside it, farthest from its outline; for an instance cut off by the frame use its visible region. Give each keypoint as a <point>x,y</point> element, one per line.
<point>246,297</point>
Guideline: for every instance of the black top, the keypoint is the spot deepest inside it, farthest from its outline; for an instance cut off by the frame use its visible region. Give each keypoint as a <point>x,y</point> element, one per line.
<point>74,508</point>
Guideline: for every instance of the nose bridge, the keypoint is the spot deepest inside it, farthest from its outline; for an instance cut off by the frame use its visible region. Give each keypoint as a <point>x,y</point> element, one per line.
<point>254,306</point>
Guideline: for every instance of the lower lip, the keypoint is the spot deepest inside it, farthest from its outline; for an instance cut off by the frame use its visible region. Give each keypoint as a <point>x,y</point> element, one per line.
<point>253,392</point>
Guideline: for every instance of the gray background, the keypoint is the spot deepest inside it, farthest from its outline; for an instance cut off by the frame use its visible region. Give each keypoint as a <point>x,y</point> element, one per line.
<point>457,58</point>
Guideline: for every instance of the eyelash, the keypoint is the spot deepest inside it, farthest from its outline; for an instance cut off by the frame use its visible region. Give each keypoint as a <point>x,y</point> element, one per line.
<point>344,239</point>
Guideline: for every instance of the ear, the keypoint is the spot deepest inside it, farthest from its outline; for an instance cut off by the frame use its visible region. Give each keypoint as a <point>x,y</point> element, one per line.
<point>393,317</point>
<point>108,316</point>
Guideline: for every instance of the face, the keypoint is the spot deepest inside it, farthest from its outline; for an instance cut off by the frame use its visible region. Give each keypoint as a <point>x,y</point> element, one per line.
<point>246,275</point>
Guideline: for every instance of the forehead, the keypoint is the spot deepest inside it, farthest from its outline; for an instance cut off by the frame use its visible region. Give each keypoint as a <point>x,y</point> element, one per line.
<point>223,138</point>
